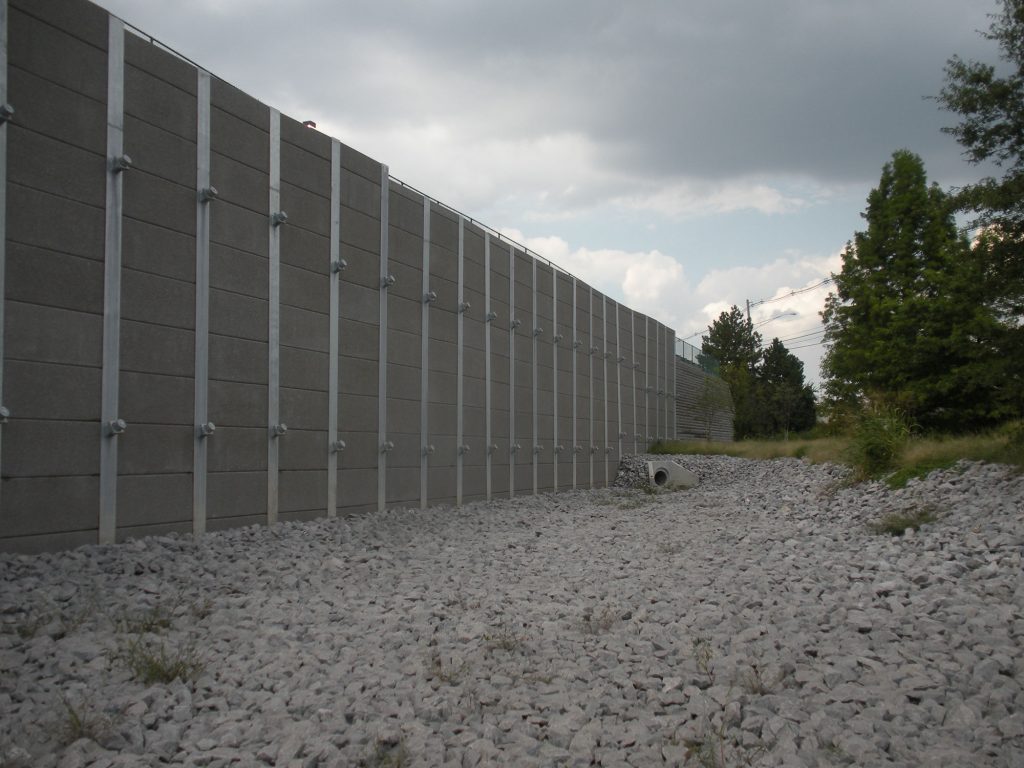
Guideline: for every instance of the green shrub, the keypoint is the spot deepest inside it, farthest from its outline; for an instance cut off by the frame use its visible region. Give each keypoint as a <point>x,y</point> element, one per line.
<point>879,436</point>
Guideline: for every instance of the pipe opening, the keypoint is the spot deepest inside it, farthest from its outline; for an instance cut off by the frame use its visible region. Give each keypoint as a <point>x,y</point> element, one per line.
<point>660,477</point>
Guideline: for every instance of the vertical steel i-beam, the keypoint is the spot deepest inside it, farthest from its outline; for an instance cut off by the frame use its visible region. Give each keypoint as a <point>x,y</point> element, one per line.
<point>592,348</point>
<point>657,380</point>
<point>117,162</point>
<point>647,378</point>
<point>604,368</point>
<point>556,449</point>
<point>575,348</point>
<point>488,318</point>
<point>7,112</point>
<point>460,449</point>
<point>333,358</point>
<point>276,218</point>
<point>205,195</point>
<point>619,434</point>
<point>632,368</point>
<point>513,321</point>
<point>533,369</point>
<point>382,349</point>
<point>426,300</point>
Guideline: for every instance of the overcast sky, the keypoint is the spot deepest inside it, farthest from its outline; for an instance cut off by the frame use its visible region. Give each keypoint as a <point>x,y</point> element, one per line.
<point>679,155</point>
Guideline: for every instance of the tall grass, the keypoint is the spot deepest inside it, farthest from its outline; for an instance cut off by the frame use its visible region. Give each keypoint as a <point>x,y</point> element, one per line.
<point>916,455</point>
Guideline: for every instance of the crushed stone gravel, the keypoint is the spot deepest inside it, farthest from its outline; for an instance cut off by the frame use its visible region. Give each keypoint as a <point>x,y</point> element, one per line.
<point>755,619</point>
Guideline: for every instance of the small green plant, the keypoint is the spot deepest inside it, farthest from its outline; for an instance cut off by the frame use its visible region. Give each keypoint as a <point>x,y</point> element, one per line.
<point>897,523</point>
<point>83,722</point>
<point>595,624</point>
<point>148,621</point>
<point>506,637</point>
<point>386,754</point>
<point>450,672</point>
<point>757,681</point>
<point>152,662</point>
<point>903,475</point>
<point>704,655</point>
<point>879,436</point>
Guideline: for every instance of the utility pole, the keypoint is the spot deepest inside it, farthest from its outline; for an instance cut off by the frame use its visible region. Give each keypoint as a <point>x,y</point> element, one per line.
<point>748,310</point>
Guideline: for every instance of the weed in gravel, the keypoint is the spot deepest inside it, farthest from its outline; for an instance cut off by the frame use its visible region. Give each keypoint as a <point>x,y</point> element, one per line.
<point>704,655</point>
<point>152,662</point>
<point>595,624</point>
<point>147,621</point>
<point>757,680</point>
<point>84,721</point>
<point>878,438</point>
<point>506,637</point>
<point>387,754</point>
<point>449,672</point>
<point>897,523</point>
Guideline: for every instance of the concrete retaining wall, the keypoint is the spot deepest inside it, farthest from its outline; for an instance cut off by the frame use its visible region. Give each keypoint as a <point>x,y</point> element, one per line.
<point>179,360</point>
<point>704,407</point>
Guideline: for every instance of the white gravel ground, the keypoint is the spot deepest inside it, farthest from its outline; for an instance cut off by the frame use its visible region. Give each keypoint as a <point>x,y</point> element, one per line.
<point>752,620</point>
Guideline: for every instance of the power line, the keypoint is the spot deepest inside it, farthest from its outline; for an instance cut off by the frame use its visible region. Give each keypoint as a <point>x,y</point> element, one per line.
<point>824,282</point>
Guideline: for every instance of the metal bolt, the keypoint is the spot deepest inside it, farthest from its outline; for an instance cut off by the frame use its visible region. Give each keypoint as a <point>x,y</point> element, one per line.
<point>538,331</point>
<point>538,449</point>
<point>337,266</point>
<point>593,350</point>
<point>463,450</point>
<point>464,306</point>
<point>337,446</point>
<point>387,446</point>
<point>6,112</point>
<point>117,427</point>
<point>207,429</point>
<point>387,282</point>
<point>429,297</point>
<point>208,194</point>
<point>556,338</point>
<point>279,218</point>
<point>492,316</point>
<point>514,448</point>
<point>515,323</point>
<point>427,450</point>
<point>492,448</point>
<point>122,163</point>
<point>577,344</point>
<point>559,448</point>
<point>278,430</point>
<point>4,414</point>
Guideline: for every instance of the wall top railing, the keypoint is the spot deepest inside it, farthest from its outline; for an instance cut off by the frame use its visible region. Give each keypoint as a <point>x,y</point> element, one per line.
<point>692,354</point>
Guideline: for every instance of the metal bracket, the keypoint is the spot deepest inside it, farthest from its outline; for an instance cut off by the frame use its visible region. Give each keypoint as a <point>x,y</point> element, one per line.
<point>515,324</point>
<point>120,163</point>
<point>491,316</point>
<point>556,338</point>
<point>116,427</point>
<point>428,450</point>
<point>514,448</point>
<point>463,450</point>
<point>538,449</point>
<point>208,194</point>
<point>339,265</point>
<point>278,430</point>
<point>4,414</point>
<point>559,448</point>
<point>337,446</point>
<point>608,449</point>
<point>577,449</point>
<point>636,366</point>
<point>593,450</point>
<point>576,344</point>
<point>621,360</point>
<point>387,282</point>
<point>622,435</point>
<point>593,350</point>
<point>387,447</point>
<point>207,429</point>
<point>6,112</point>
<point>429,297</point>
<point>492,448</point>
<point>464,307</point>
<point>538,331</point>
<point>607,355</point>
<point>279,218</point>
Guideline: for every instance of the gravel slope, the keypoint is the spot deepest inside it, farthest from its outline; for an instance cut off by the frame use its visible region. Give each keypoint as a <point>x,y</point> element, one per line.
<point>754,620</point>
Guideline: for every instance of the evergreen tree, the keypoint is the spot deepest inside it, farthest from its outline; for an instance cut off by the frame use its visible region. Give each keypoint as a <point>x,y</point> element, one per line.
<point>733,342</point>
<point>788,399</point>
<point>908,322</point>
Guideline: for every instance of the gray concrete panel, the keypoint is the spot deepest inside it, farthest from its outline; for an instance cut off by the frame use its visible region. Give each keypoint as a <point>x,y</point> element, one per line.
<point>304,409</point>
<point>51,334</point>
<point>162,154</point>
<point>239,521</point>
<point>235,359</point>
<point>441,417</point>
<point>239,228</point>
<point>35,276</point>
<point>403,347</point>
<point>358,376</point>
<point>358,340</point>
<point>358,303</point>
<point>236,448</point>
<point>235,404</point>
<point>444,230</point>
<point>147,449</point>
<point>363,268</point>
<point>48,542</point>
<point>49,505</point>
<point>57,112</point>
<point>150,198</point>
<point>303,490</point>
<point>49,391</point>
<point>357,487</point>
<point>155,399</point>
<point>360,194</point>
<point>306,210</point>
<point>473,391</point>
<point>150,348</point>
<point>405,213</point>
<point>54,223</point>
<point>361,231</point>
<point>159,103</point>
<point>238,183</point>
<point>362,165</point>
<point>160,63</point>
<point>360,451</point>
<point>50,448</point>
<point>226,97</point>
<point>404,381</point>
<point>241,141</point>
<point>304,289</point>
<point>231,494</point>
<point>49,165</point>
<point>158,250</point>
<point>357,413</point>
<point>304,369</point>
<point>303,449</point>
<point>156,299</point>
<point>59,51</point>
<point>239,271</point>
<point>153,500</point>
<point>403,486</point>
<point>232,314</point>
<point>306,138</point>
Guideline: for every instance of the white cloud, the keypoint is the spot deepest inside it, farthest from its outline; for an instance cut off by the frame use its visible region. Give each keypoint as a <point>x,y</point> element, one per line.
<point>701,198</point>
